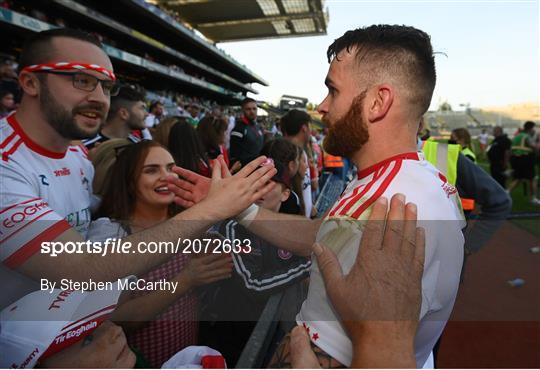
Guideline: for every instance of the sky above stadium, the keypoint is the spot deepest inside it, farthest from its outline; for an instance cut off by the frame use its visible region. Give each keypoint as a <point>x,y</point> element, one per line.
<point>492,50</point>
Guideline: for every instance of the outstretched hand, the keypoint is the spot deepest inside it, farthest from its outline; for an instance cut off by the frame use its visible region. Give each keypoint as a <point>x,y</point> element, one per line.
<point>224,195</point>
<point>189,187</point>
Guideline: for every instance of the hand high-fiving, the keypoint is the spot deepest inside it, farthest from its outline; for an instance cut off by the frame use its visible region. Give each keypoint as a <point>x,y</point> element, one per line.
<point>224,195</point>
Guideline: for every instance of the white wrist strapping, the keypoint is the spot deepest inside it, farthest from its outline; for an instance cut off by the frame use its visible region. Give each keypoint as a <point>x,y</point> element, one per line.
<point>248,215</point>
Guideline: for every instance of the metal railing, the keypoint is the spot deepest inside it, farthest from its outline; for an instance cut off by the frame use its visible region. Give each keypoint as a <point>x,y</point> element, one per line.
<point>278,317</point>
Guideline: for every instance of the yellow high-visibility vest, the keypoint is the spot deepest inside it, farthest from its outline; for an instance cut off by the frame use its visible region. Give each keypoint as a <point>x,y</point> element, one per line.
<point>444,157</point>
<point>468,152</point>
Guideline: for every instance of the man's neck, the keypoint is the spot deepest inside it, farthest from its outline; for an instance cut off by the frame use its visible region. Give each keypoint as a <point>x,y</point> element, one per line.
<point>374,152</point>
<point>116,129</point>
<point>34,125</point>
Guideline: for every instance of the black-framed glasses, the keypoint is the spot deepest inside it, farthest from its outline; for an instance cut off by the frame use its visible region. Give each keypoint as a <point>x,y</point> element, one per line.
<point>86,82</point>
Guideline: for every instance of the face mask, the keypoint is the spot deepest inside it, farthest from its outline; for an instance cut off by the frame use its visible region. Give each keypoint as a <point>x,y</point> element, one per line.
<point>452,141</point>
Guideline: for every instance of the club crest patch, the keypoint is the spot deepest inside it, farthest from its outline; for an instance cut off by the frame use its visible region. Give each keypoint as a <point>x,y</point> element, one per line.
<point>283,254</point>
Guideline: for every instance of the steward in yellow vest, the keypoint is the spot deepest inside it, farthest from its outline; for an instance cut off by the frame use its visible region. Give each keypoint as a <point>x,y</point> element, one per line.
<point>445,158</point>
<point>472,182</point>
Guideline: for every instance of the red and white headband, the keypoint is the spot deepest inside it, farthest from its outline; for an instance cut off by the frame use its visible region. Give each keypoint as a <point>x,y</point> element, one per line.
<point>60,66</point>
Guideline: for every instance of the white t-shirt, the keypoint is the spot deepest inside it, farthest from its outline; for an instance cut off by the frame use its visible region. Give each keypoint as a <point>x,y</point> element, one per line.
<point>422,184</point>
<point>483,138</point>
<point>306,189</point>
<point>151,121</point>
<point>230,126</point>
<point>43,193</point>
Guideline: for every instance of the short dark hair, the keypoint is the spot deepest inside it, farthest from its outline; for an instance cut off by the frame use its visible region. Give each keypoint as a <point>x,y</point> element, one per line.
<point>37,48</point>
<point>210,130</point>
<point>528,125</point>
<point>404,52</point>
<point>127,96</point>
<point>292,122</point>
<point>246,101</point>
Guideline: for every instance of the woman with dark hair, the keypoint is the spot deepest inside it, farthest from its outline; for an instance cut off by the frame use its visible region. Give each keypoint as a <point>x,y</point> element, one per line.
<point>136,198</point>
<point>7,103</point>
<point>462,137</point>
<point>187,149</point>
<point>291,155</point>
<point>211,130</point>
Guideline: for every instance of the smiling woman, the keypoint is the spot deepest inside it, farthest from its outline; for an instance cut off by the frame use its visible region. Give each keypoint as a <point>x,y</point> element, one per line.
<point>135,198</point>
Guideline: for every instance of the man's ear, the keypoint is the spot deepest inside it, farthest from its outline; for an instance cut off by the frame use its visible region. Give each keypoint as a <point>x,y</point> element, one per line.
<point>29,83</point>
<point>285,194</point>
<point>380,100</point>
<point>124,113</point>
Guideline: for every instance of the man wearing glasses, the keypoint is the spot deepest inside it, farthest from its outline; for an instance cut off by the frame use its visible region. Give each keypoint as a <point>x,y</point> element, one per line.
<point>67,81</point>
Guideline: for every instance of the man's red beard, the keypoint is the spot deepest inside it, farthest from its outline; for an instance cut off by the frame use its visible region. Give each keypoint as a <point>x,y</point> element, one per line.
<point>349,133</point>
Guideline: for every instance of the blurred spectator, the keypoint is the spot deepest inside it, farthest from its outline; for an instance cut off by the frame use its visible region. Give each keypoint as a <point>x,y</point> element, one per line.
<point>135,199</point>
<point>231,122</point>
<point>522,161</point>
<point>295,127</point>
<point>290,155</point>
<point>156,114</point>
<point>187,149</point>
<point>126,114</point>
<point>483,139</point>
<point>194,111</point>
<point>317,153</point>
<point>299,184</point>
<point>212,130</point>
<point>103,158</point>
<point>499,155</point>
<point>462,137</point>
<point>247,137</point>
<point>8,77</point>
<point>7,103</point>
<point>161,132</point>
<point>234,306</point>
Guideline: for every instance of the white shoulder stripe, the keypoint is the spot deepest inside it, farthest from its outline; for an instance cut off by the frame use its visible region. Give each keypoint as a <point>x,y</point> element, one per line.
<point>374,184</point>
<point>264,284</point>
<point>274,281</point>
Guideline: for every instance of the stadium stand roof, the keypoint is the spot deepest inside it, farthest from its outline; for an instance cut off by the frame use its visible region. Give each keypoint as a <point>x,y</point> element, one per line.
<point>233,20</point>
<point>147,60</point>
<point>159,25</point>
<point>97,20</point>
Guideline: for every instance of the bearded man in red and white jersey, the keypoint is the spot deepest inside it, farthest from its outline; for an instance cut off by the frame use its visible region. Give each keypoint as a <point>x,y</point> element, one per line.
<point>380,83</point>
<point>67,80</point>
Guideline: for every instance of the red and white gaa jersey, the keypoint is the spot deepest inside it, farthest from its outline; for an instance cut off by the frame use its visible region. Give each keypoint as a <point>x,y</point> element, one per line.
<point>421,183</point>
<point>42,193</point>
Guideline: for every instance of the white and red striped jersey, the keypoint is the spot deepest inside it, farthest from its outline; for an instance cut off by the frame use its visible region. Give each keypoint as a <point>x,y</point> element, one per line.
<point>43,193</point>
<point>409,174</point>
